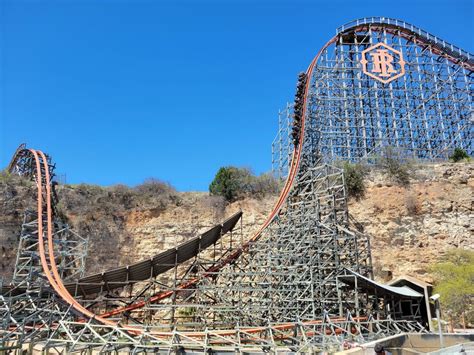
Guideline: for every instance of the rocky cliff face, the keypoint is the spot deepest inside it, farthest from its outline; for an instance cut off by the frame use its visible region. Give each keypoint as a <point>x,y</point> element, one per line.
<point>16,195</point>
<point>124,225</point>
<point>410,227</point>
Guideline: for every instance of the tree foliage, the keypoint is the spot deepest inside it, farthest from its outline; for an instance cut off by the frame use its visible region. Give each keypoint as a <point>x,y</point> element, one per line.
<point>234,183</point>
<point>226,183</point>
<point>354,176</point>
<point>454,281</point>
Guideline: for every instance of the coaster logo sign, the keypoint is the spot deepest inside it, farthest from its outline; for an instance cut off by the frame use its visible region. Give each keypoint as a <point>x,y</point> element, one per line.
<point>383,63</point>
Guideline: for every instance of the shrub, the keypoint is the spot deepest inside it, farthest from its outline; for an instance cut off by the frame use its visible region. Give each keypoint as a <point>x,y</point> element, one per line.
<point>354,176</point>
<point>395,167</point>
<point>263,185</point>
<point>454,281</point>
<point>458,155</point>
<point>5,176</point>
<point>217,205</point>
<point>8,178</point>
<point>121,195</point>
<point>412,204</point>
<point>154,186</point>
<point>92,199</point>
<point>155,193</point>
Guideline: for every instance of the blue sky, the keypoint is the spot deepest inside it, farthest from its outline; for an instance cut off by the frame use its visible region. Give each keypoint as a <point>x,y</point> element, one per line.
<point>119,91</point>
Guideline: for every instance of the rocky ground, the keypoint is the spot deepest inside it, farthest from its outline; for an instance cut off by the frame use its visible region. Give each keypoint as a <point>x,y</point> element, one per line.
<point>410,227</point>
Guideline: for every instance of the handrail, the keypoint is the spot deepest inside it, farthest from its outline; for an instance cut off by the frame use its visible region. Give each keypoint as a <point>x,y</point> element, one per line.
<point>459,52</point>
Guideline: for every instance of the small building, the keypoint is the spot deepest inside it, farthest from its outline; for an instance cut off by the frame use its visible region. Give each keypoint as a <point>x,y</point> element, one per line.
<point>422,287</point>
<point>405,298</point>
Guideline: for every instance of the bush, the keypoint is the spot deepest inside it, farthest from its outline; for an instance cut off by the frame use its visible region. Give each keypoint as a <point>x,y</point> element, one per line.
<point>122,195</point>
<point>454,281</point>
<point>5,176</point>
<point>154,186</point>
<point>217,205</point>
<point>354,176</point>
<point>92,199</point>
<point>260,186</point>
<point>155,193</point>
<point>234,183</point>
<point>8,178</point>
<point>458,155</point>
<point>412,204</point>
<point>395,167</point>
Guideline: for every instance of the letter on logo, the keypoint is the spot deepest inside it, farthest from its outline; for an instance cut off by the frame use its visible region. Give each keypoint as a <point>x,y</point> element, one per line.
<point>382,62</point>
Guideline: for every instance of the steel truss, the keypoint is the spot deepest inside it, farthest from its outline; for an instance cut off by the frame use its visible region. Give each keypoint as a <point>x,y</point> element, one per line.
<point>288,288</point>
<point>325,333</point>
<point>28,306</point>
<point>290,273</point>
<point>424,114</point>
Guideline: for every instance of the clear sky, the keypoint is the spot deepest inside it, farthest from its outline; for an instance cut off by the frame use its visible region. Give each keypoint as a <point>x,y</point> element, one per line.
<point>119,91</point>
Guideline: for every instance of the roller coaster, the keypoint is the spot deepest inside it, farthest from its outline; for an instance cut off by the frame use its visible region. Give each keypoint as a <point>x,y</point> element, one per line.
<point>304,281</point>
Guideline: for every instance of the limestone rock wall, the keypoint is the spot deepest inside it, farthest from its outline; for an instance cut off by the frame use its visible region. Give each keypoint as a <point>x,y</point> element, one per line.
<point>410,227</point>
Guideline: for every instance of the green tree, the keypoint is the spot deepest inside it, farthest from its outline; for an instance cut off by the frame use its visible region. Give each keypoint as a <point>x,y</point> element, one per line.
<point>235,183</point>
<point>454,281</point>
<point>228,183</point>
